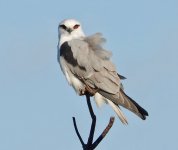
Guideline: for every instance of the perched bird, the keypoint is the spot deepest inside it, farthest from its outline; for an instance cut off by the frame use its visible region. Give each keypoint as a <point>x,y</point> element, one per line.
<point>88,68</point>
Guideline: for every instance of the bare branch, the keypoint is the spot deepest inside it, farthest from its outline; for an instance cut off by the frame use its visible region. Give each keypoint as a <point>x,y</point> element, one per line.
<point>106,130</point>
<point>90,107</point>
<point>92,130</point>
<point>78,134</point>
<point>90,145</point>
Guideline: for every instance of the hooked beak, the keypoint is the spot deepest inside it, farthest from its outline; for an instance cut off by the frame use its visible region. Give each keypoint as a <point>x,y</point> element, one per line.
<point>69,30</point>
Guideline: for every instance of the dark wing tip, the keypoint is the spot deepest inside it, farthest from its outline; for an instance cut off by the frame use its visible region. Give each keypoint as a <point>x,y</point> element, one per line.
<point>144,115</point>
<point>142,112</point>
<point>121,77</point>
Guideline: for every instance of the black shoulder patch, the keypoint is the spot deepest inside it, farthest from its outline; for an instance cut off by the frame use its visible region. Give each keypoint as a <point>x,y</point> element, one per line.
<point>66,52</point>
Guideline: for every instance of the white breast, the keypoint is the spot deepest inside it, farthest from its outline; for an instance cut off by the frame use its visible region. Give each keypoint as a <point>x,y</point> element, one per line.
<point>72,80</point>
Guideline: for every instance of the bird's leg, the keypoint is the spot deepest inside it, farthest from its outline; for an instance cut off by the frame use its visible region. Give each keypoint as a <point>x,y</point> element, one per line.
<point>82,92</point>
<point>87,90</point>
<point>90,90</point>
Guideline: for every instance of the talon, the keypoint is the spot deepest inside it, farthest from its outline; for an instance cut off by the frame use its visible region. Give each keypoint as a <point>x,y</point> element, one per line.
<point>91,91</point>
<point>88,89</point>
<point>81,92</point>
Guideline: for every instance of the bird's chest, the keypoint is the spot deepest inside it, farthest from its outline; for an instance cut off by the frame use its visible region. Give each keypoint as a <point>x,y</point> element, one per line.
<point>71,78</point>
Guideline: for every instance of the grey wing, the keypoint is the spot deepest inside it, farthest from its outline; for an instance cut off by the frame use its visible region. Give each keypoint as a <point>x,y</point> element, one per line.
<point>82,62</point>
<point>85,63</point>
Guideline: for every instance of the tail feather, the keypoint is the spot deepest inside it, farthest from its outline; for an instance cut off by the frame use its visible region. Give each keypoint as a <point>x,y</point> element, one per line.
<point>127,102</point>
<point>118,112</point>
<point>142,112</point>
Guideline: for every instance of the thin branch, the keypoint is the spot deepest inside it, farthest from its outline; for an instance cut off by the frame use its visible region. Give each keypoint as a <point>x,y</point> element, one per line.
<point>106,130</point>
<point>78,134</point>
<point>90,145</point>
<point>90,107</point>
<point>92,129</point>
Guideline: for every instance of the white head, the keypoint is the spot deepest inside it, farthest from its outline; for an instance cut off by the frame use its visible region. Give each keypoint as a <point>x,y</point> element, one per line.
<point>69,29</point>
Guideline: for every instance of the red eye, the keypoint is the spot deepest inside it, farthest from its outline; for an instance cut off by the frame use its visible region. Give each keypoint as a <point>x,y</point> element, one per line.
<point>76,26</point>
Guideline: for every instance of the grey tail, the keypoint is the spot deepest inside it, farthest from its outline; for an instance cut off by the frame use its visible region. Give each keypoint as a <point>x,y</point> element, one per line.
<point>127,102</point>
<point>142,112</point>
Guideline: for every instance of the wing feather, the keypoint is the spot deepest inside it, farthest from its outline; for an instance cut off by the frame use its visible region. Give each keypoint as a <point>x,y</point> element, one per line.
<point>87,60</point>
<point>99,70</point>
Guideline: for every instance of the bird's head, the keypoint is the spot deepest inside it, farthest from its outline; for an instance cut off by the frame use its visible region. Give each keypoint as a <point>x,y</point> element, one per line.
<point>70,29</point>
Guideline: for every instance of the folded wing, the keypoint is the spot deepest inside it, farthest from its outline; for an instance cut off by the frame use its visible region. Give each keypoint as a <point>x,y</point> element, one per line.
<point>89,62</point>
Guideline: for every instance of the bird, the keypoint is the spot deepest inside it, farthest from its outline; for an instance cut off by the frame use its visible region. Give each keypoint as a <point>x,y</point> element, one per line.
<point>88,68</point>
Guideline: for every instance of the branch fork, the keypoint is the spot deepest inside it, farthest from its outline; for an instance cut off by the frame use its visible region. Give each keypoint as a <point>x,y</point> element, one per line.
<point>90,145</point>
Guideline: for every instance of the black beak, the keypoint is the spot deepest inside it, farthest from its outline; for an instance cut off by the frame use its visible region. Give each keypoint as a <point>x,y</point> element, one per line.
<point>69,30</point>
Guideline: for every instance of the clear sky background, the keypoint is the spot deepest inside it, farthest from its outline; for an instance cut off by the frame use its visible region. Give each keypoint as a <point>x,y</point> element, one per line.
<point>37,104</point>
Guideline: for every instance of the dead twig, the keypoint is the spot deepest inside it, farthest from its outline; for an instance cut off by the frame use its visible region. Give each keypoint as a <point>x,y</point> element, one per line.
<point>90,145</point>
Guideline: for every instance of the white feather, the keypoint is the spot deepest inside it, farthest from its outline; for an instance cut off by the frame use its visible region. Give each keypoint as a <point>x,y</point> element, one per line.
<point>99,99</point>
<point>75,34</point>
<point>77,84</point>
<point>72,80</point>
<point>118,112</point>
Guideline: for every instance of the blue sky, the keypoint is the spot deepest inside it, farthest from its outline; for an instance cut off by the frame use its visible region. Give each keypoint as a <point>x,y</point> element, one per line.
<point>36,103</point>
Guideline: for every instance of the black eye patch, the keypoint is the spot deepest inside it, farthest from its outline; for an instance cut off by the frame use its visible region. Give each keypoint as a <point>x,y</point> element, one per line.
<point>63,27</point>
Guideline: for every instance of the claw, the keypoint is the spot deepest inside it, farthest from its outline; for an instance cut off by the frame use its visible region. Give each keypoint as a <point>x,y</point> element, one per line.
<point>91,91</point>
<point>88,89</point>
<point>82,92</point>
